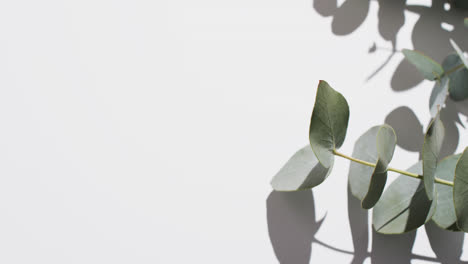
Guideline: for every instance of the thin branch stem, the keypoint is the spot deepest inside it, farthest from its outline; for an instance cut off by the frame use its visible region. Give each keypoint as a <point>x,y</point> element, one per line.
<point>410,174</point>
<point>452,70</point>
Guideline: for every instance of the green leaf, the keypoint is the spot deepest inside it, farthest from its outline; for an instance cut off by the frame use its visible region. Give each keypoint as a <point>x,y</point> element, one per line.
<point>302,171</point>
<point>360,175</point>
<point>460,193</point>
<point>386,142</point>
<point>465,21</point>
<point>459,52</point>
<point>444,215</point>
<point>403,206</point>
<point>328,123</point>
<point>458,85</point>
<point>438,95</point>
<point>430,153</point>
<point>430,69</point>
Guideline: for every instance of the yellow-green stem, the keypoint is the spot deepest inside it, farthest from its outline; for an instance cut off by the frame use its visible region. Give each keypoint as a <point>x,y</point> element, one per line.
<point>410,174</point>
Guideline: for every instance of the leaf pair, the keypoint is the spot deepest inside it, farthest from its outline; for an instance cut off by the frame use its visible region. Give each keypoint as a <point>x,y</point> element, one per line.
<point>311,165</point>
<point>377,146</point>
<point>452,202</point>
<point>404,206</point>
<point>451,77</point>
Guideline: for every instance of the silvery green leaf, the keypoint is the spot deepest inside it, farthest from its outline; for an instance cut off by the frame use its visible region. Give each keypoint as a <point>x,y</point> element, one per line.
<point>458,84</point>
<point>404,205</point>
<point>459,52</point>
<point>430,69</point>
<point>328,123</point>
<point>302,171</point>
<point>444,215</point>
<point>386,142</point>
<point>460,191</point>
<point>430,153</point>
<point>359,176</point>
<point>438,95</point>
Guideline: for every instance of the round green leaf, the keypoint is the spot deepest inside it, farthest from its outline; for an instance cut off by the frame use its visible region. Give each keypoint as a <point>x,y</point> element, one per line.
<point>403,206</point>
<point>444,215</point>
<point>458,85</point>
<point>438,95</point>
<point>386,142</point>
<point>430,153</point>
<point>459,52</point>
<point>427,66</point>
<point>460,191</point>
<point>328,123</point>
<point>360,175</point>
<point>302,171</point>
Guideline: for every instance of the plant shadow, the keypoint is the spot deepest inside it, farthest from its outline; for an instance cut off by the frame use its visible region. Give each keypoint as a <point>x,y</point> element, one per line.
<point>291,218</point>
<point>436,24</point>
<point>292,226</point>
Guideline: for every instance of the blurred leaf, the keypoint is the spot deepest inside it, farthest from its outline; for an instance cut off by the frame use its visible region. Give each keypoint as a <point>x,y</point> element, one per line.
<point>459,52</point>
<point>460,191</point>
<point>465,21</point>
<point>444,215</point>
<point>328,123</point>
<point>360,175</point>
<point>302,171</point>
<point>386,142</point>
<point>438,95</point>
<point>458,85</point>
<point>430,153</point>
<point>430,69</point>
<point>403,206</point>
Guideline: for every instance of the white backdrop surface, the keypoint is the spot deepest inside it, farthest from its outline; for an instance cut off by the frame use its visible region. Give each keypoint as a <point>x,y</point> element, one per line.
<point>148,131</point>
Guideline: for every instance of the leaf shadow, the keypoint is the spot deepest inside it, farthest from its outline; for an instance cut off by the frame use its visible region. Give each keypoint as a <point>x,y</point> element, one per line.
<point>409,128</point>
<point>292,226</point>
<point>431,33</point>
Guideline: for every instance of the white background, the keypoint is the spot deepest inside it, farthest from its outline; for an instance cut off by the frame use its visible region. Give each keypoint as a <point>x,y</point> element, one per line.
<point>148,131</point>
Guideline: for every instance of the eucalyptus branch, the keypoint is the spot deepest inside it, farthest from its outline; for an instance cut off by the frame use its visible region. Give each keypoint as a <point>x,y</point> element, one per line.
<point>410,174</point>
<point>407,203</point>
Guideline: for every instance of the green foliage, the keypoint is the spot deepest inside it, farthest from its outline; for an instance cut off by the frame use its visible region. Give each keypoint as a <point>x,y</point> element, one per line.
<point>404,205</point>
<point>460,193</point>
<point>445,213</point>
<point>328,123</point>
<point>438,95</point>
<point>430,69</point>
<point>360,175</point>
<point>386,142</point>
<point>434,188</point>
<point>459,52</point>
<point>430,153</point>
<point>451,78</point>
<point>458,85</point>
<point>423,192</point>
<point>302,171</point>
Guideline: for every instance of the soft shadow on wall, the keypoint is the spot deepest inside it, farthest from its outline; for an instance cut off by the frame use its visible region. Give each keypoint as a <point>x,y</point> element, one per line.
<point>431,33</point>
<point>291,217</point>
<point>292,226</point>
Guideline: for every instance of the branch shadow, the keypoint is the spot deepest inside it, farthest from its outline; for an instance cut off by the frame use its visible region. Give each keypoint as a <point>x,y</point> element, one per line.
<point>292,226</point>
